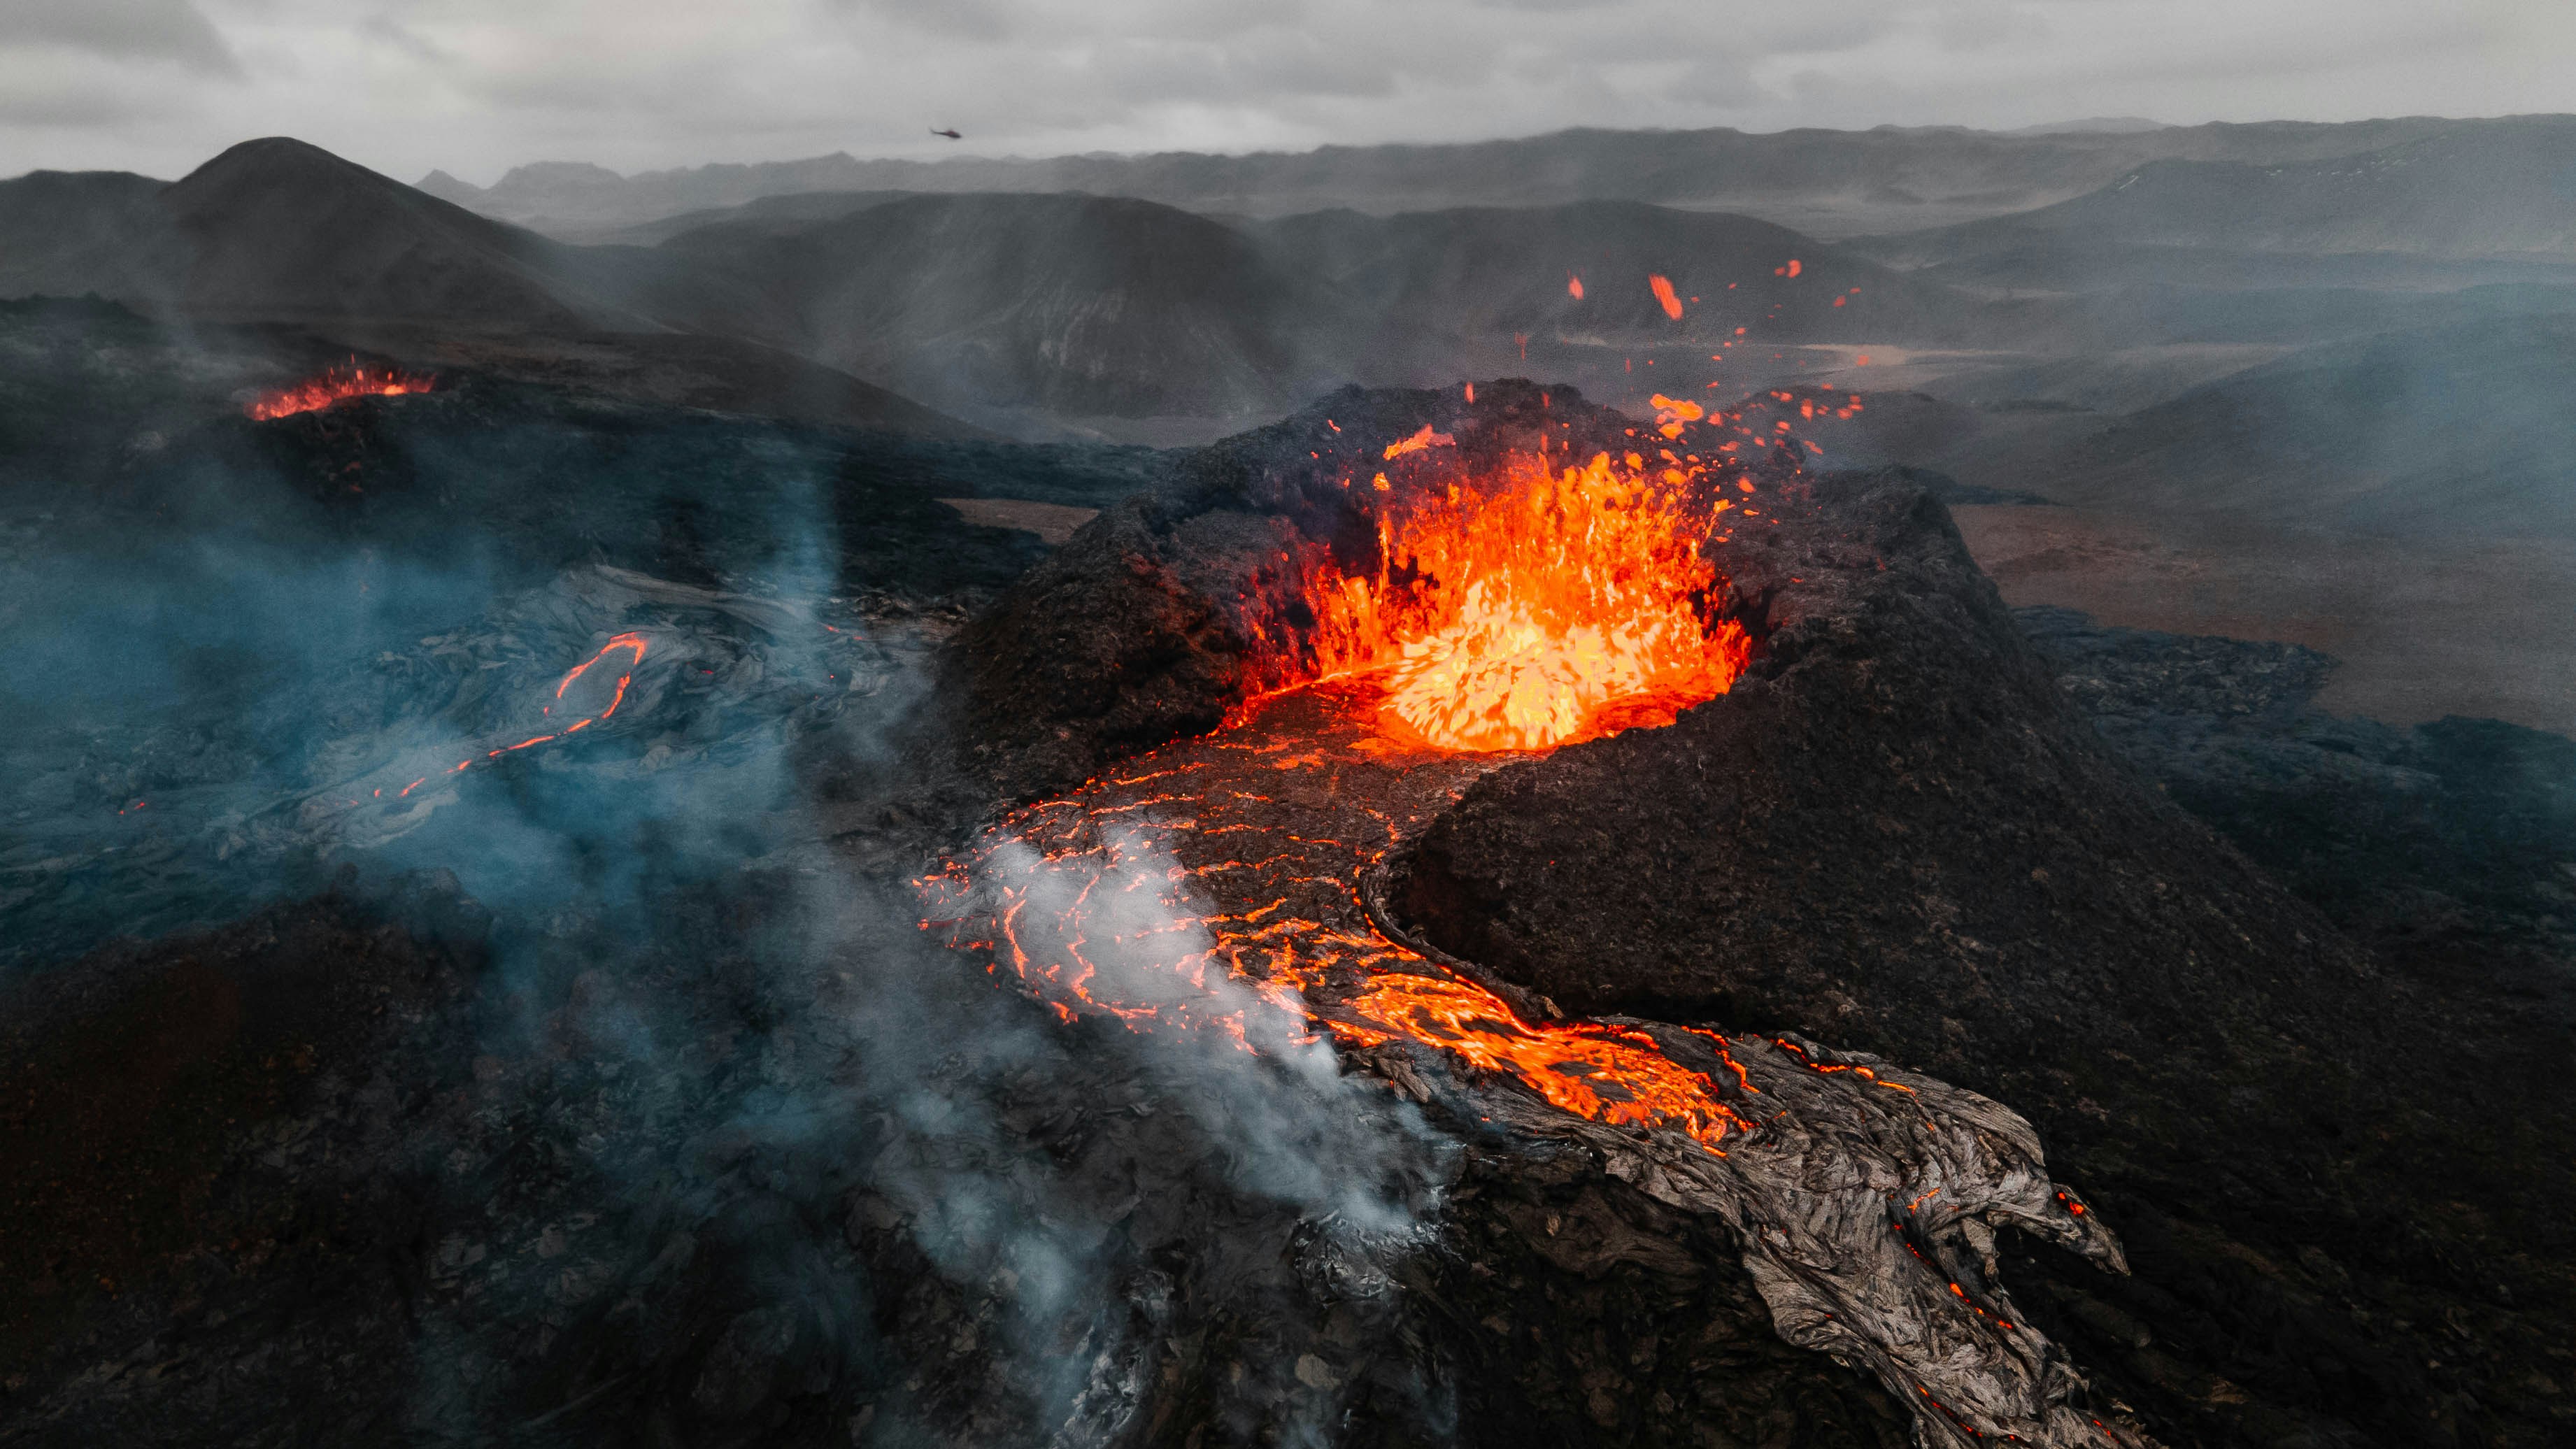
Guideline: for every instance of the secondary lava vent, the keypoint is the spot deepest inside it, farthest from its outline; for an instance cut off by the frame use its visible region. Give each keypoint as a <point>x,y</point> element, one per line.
<point>338,385</point>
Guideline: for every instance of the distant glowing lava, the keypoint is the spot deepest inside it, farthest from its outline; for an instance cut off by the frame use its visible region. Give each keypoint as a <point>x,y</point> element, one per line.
<point>338,385</point>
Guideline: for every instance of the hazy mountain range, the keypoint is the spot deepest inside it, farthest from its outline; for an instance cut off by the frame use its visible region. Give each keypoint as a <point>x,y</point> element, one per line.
<point>995,306</point>
<point>2328,314</point>
<point>1826,183</point>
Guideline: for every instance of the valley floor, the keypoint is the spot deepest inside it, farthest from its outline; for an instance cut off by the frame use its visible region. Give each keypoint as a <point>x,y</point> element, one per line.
<point>2423,629</point>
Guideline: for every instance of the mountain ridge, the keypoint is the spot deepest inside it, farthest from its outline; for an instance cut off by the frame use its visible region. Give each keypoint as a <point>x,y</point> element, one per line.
<point>2459,193</point>
<point>1821,181</point>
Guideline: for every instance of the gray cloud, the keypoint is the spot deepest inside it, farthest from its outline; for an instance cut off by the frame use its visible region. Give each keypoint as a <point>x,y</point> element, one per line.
<point>160,30</point>
<point>475,86</point>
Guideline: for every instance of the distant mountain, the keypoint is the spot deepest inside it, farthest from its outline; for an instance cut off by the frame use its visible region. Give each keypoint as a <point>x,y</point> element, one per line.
<point>2091,126</point>
<point>1088,306</point>
<point>1018,310</point>
<point>1032,312</point>
<point>1827,183</point>
<point>790,212</point>
<point>1072,305</point>
<point>2482,190</point>
<point>277,230</point>
<point>577,201</point>
<point>64,233</point>
<point>447,188</point>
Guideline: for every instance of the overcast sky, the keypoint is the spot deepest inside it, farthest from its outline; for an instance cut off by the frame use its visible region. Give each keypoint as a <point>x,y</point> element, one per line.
<point>477,86</point>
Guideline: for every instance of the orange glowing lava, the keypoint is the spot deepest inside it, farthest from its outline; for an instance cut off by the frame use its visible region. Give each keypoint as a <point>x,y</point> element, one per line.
<point>1213,887</point>
<point>1537,606</point>
<point>337,385</point>
<point>631,645</point>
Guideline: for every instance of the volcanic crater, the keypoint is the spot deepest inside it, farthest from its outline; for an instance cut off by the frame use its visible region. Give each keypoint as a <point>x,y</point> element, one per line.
<point>1555,573</point>
<point>1883,827</point>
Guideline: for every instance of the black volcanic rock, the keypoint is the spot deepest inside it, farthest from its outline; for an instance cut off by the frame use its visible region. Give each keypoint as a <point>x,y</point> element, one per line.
<point>2450,837</point>
<point>1100,651</point>
<point>1894,809</point>
<point>285,1183</point>
<point>139,1084</point>
<point>745,1159</point>
<point>1895,832</point>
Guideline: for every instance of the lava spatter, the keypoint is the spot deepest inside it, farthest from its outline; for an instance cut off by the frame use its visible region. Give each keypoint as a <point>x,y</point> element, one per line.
<point>1535,606</point>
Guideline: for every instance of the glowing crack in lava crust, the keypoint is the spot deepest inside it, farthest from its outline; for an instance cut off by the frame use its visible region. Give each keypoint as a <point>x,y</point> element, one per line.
<point>1223,884</point>
<point>335,386</point>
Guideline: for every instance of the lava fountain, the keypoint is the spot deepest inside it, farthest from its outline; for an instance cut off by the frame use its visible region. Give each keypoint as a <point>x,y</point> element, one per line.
<point>1534,607</point>
<point>1537,607</point>
<point>335,386</point>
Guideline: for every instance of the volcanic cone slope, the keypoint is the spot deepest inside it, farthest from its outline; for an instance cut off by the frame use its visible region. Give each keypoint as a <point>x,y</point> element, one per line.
<point>1852,1195</point>
<point>1894,833</point>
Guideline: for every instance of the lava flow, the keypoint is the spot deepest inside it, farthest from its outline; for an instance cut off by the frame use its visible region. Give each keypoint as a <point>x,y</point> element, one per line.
<point>1223,877</point>
<point>1223,885</point>
<point>1534,608</point>
<point>335,386</point>
<point>631,645</point>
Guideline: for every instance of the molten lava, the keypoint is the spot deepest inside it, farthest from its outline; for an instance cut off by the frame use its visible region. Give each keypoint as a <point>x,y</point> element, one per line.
<point>1219,879</point>
<point>1536,607</point>
<point>338,385</point>
<point>1517,611</point>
